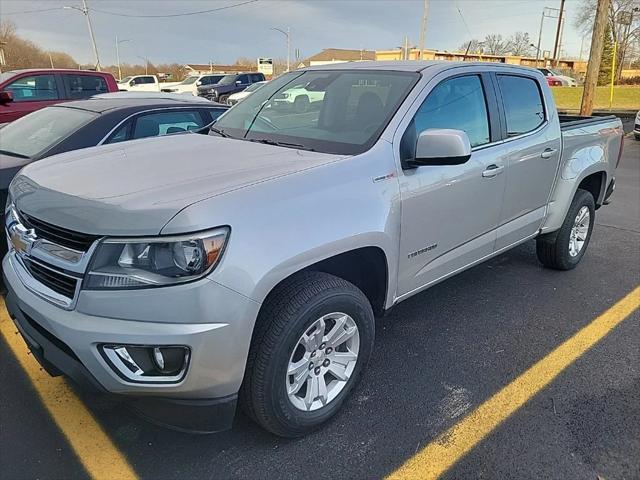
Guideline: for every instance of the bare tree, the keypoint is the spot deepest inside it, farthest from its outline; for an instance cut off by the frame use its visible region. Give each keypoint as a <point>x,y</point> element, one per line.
<point>494,44</point>
<point>520,44</point>
<point>620,12</point>
<point>474,46</point>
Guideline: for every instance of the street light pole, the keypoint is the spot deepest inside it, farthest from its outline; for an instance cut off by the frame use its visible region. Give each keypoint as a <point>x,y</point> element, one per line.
<point>146,64</point>
<point>85,11</point>
<point>118,42</point>
<point>288,35</point>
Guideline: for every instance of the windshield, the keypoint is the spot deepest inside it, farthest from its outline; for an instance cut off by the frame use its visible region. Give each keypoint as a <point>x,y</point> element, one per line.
<point>37,132</point>
<point>340,111</point>
<point>254,86</point>
<point>227,79</point>
<point>189,80</point>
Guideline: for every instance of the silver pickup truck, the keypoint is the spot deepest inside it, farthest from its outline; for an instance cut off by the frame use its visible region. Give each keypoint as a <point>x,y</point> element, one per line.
<point>192,272</point>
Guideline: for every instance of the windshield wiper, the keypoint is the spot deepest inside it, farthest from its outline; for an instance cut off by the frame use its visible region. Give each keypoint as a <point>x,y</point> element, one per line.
<point>13,154</point>
<point>219,132</point>
<point>281,144</point>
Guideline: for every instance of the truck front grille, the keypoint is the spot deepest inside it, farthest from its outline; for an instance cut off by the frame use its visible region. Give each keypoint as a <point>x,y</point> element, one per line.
<point>58,235</point>
<point>60,283</point>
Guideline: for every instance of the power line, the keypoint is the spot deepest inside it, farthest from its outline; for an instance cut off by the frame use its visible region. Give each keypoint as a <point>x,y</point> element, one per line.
<point>173,14</point>
<point>32,11</point>
<point>463,20</point>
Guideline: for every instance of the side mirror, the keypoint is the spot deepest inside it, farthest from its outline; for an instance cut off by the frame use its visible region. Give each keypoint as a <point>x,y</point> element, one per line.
<point>198,83</point>
<point>238,82</point>
<point>6,97</point>
<point>441,146</point>
<point>132,83</point>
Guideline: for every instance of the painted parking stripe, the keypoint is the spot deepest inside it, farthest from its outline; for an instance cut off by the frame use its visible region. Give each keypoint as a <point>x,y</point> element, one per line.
<point>94,448</point>
<point>450,446</point>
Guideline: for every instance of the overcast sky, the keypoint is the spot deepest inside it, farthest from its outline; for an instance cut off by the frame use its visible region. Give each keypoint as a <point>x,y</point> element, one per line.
<point>224,35</point>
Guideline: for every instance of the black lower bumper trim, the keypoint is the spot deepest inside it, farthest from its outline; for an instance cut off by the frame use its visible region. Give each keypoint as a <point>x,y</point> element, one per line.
<point>57,358</point>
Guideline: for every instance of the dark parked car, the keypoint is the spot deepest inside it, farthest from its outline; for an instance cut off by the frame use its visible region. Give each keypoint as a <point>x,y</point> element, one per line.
<point>228,85</point>
<point>25,91</point>
<point>103,119</point>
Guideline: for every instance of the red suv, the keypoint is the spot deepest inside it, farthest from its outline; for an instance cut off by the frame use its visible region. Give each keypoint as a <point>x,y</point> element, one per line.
<point>24,91</point>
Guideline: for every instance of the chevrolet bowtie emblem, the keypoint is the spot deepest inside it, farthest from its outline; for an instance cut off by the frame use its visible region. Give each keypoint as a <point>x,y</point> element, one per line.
<point>22,238</point>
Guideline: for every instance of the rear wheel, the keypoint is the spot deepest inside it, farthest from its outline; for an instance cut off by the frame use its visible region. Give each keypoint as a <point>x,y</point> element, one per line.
<point>564,249</point>
<point>314,338</point>
<point>223,99</point>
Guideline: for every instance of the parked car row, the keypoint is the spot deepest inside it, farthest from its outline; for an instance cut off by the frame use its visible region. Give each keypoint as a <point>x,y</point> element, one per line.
<point>25,91</point>
<point>195,273</point>
<point>556,79</point>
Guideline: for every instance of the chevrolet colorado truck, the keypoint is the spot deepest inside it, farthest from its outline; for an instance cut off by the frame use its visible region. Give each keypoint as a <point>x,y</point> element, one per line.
<point>250,271</point>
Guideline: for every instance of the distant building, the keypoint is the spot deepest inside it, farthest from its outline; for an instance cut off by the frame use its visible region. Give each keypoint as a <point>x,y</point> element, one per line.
<point>578,66</point>
<point>337,55</point>
<point>202,68</point>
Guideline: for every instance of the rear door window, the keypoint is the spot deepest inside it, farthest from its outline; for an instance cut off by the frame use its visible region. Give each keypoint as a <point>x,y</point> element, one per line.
<point>523,104</point>
<point>164,123</point>
<point>83,86</point>
<point>148,80</point>
<point>34,88</point>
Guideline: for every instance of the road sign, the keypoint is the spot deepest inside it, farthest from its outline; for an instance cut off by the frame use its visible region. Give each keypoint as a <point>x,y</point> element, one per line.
<point>265,66</point>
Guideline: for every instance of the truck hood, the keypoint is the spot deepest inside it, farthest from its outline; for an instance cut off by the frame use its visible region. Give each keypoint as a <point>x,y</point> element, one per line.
<point>135,188</point>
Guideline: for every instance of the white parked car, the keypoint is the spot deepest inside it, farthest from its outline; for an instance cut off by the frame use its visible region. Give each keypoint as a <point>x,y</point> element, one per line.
<point>565,79</point>
<point>192,82</point>
<point>236,97</point>
<point>636,126</point>
<point>139,83</point>
<point>298,98</point>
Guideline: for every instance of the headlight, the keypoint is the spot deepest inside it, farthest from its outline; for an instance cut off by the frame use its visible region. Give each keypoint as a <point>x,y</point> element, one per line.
<point>155,261</point>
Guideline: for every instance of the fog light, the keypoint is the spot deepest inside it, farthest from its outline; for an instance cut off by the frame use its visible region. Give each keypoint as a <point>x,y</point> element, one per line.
<point>148,363</point>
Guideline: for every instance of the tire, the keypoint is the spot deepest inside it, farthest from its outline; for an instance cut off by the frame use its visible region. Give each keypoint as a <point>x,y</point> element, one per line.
<point>291,311</point>
<point>555,250</point>
<point>637,136</point>
<point>301,104</point>
<point>223,99</point>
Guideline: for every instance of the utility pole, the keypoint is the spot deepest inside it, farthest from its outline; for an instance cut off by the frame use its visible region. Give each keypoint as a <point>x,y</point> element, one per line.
<point>540,38</point>
<point>423,28</point>
<point>595,55</point>
<point>85,11</point>
<point>557,43</point>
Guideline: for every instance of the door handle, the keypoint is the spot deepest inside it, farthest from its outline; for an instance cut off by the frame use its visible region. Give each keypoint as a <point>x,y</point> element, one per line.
<point>548,152</point>
<point>493,171</point>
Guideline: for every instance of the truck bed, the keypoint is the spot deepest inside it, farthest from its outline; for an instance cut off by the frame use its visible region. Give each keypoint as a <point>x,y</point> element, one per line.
<point>568,122</point>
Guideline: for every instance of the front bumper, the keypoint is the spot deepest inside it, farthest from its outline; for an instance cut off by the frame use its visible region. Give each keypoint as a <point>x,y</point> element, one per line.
<point>214,322</point>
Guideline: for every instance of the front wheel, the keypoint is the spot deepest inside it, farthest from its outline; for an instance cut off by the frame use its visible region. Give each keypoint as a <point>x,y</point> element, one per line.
<point>564,249</point>
<point>313,340</point>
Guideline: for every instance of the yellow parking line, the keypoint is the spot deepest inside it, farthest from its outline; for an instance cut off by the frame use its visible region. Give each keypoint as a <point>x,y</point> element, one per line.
<point>449,447</point>
<point>96,451</point>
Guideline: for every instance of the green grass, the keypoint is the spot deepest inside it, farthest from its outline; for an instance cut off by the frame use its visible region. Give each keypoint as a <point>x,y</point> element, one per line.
<point>625,97</point>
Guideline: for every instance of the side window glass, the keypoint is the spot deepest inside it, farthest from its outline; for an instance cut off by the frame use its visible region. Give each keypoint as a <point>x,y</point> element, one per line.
<point>164,123</point>
<point>457,103</point>
<point>244,79</point>
<point>523,105</point>
<point>83,86</point>
<point>120,135</point>
<point>34,88</point>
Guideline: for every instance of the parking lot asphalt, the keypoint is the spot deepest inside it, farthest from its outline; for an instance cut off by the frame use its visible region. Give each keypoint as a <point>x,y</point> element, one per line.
<point>438,356</point>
